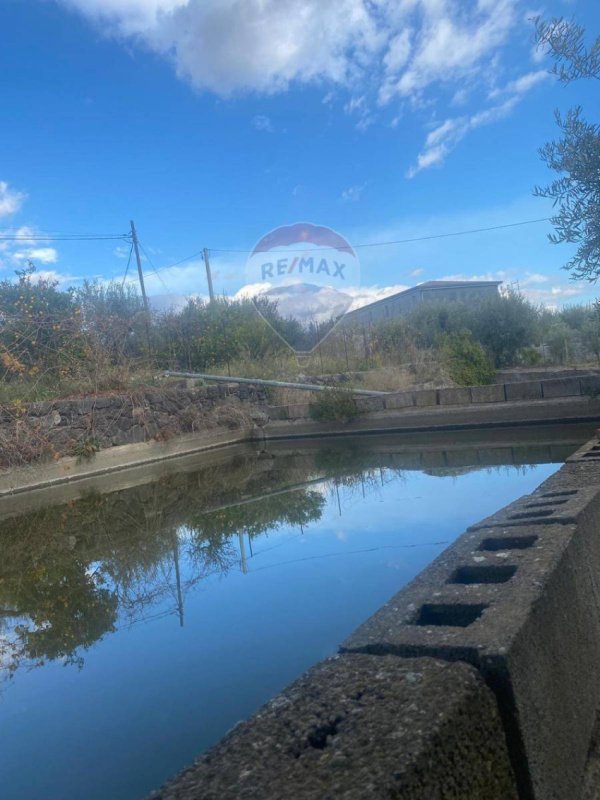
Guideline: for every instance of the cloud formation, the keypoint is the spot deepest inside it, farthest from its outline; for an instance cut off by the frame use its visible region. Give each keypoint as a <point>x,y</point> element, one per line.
<point>226,46</point>
<point>352,193</point>
<point>262,123</point>
<point>445,137</point>
<point>376,54</point>
<point>540,289</point>
<point>10,199</point>
<point>23,247</point>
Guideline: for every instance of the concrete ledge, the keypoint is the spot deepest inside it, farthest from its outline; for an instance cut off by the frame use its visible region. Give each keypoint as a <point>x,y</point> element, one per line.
<point>528,390</point>
<point>369,403</point>
<point>453,397</point>
<point>400,400</point>
<point>518,602</point>
<point>426,397</point>
<point>359,727</point>
<point>66,470</point>
<point>561,387</point>
<point>434,418</point>
<point>494,393</point>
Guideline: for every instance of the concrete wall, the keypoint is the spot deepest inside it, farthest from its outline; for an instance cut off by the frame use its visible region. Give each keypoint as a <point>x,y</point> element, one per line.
<point>587,386</point>
<point>363,727</point>
<point>493,649</point>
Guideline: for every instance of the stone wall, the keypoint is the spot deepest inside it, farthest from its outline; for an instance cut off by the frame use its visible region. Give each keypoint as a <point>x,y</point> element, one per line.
<point>45,430</point>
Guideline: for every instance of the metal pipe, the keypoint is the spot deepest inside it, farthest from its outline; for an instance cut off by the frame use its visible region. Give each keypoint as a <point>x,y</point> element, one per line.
<point>308,387</point>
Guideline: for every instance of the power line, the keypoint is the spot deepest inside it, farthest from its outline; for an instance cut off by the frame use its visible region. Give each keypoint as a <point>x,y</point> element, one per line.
<point>181,261</point>
<point>25,238</point>
<point>407,241</point>
<point>127,267</point>
<point>154,270</point>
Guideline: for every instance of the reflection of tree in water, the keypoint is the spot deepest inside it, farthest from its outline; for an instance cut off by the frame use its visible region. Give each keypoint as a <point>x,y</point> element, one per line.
<point>59,607</point>
<point>268,513</point>
<point>71,574</point>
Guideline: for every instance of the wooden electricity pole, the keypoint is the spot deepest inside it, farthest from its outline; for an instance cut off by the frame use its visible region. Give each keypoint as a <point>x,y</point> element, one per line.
<point>136,248</point>
<point>211,293</point>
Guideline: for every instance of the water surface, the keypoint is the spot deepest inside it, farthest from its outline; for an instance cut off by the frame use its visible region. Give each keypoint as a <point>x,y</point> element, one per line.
<point>142,620</point>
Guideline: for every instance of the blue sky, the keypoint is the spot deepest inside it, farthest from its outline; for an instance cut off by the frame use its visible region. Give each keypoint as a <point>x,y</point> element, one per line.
<point>210,122</point>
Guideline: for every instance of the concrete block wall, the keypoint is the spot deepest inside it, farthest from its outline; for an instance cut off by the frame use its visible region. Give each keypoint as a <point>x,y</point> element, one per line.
<point>513,606</point>
<point>516,597</point>
<point>363,727</point>
<point>523,391</point>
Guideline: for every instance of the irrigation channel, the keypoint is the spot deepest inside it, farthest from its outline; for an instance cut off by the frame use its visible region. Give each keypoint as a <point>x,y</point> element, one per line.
<point>141,619</point>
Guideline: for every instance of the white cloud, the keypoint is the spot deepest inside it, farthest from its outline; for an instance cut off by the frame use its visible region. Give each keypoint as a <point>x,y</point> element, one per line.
<point>363,295</point>
<point>262,123</point>
<point>416,272</point>
<point>226,46</point>
<point>27,245</point>
<point>326,301</point>
<point>41,255</point>
<point>450,44</point>
<point>446,136</point>
<point>251,290</point>
<point>538,288</point>
<point>378,50</point>
<point>10,199</point>
<point>523,84</point>
<point>352,193</point>
<point>62,279</point>
<point>230,45</point>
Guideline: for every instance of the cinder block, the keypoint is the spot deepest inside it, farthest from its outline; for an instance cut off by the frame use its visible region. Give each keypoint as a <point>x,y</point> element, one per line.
<point>434,459</point>
<point>590,384</point>
<point>462,458</point>
<point>528,390</point>
<point>494,393</point>
<point>298,410</point>
<point>517,599</point>
<point>363,727</point>
<point>425,397</point>
<point>369,403</point>
<point>454,397</point>
<point>400,400</point>
<point>561,387</point>
<point>278,412</point>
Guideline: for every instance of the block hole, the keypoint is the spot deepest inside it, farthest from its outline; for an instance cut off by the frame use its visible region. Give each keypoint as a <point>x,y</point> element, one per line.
<point>455,615</point>
<point>542,503</point>
<point>318,737</point>
<point>565,493</point>
<point>490,573</point>
<point>495,543</point>
<point>542,512</point>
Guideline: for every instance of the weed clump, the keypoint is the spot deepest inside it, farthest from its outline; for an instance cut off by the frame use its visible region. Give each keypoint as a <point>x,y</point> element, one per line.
<point>333,405</point>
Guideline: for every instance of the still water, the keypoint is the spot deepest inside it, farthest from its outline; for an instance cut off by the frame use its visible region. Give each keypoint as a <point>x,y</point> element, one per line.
<point>140,620</point>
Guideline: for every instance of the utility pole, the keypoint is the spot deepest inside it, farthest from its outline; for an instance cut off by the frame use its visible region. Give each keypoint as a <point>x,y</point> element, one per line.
<point>136,247</point>
<point>211,293</point>
<point>178,578</point>
<point>243,562</point>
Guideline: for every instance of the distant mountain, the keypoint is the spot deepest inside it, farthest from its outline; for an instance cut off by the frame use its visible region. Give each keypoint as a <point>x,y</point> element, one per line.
<point>308,303</point>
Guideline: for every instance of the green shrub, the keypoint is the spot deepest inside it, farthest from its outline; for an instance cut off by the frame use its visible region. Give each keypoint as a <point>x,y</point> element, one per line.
<point>465,359</point>
<point>333,405</point>
<point>529,357</point>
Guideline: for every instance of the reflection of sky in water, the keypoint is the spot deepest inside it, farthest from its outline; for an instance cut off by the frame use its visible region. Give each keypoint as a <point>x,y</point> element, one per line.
<point>153,694</point>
